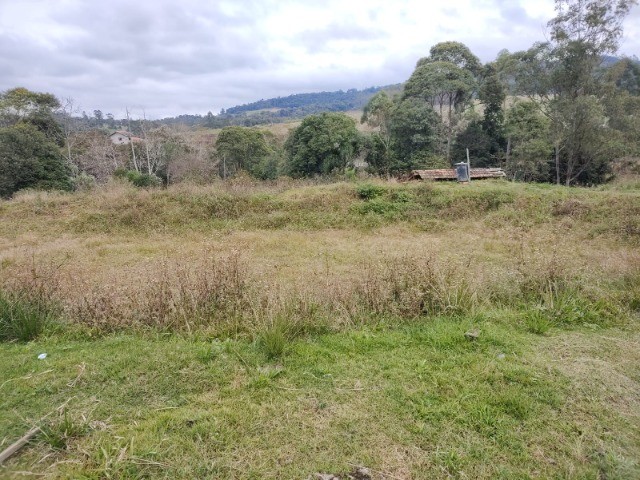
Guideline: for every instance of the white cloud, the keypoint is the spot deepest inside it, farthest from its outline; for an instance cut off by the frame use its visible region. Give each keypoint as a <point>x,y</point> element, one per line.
<point>191,57</point>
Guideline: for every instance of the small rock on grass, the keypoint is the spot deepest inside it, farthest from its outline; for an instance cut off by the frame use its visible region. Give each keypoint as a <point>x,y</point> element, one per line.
<point>472,335</point>
<point>360,473</point>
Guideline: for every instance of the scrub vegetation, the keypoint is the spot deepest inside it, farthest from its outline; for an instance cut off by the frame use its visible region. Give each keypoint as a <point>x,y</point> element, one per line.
<point>277,330</point>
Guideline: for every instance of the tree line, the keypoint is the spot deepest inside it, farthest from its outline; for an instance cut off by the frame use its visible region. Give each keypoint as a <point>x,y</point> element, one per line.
<point>560,111</point>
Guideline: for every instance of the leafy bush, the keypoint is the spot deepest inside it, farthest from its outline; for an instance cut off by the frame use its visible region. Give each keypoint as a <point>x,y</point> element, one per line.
<point>400,196</point>
<point>321,145</point>
<point>120,173</point>
<point>369,191</point>
<point>143,180</point>
<point>84,182</point>
<point>29,159</point>
<point>380,206</point>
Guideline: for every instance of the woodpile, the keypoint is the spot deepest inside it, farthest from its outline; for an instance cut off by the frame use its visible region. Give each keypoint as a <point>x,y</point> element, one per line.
<point>450,174</point>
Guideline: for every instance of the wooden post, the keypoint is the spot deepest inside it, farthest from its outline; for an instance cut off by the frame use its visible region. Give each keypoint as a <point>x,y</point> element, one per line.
<point>469,165</point>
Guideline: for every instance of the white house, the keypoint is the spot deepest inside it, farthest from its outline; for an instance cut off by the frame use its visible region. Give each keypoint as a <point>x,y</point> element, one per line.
<point>120,137</point>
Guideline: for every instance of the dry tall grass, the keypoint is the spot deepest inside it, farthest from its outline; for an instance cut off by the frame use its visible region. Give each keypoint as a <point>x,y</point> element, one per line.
<point>236,257</point>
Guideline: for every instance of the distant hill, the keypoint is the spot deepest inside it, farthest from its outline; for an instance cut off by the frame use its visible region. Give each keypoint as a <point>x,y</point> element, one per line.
<point>340,101</point>
<point>282,109</point>
<point>608,60</point>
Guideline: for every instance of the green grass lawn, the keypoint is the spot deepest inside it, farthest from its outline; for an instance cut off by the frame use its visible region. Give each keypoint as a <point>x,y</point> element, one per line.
<point>409,401</point>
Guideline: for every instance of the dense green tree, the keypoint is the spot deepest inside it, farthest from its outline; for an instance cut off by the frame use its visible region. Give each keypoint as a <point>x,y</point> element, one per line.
<point>561,76</point>
<point>625,75</point>
<point>415,129</point>
<point>322,144</point>
<point>582,33</point>
<point>19,105</point>
<point>30,141</point>
<point>622,111</point>
<point>28,159</point>
<point>492,95</point>
<point>248,149</point>
<point>378,154</point>
<point>588,144</point>
<point>474,138</point>
<point>378,113</point>
<point>456,53</point>
<point>506,66</point>
<point>529,150</point>
<point>446,87</point>
<point>21,102</point>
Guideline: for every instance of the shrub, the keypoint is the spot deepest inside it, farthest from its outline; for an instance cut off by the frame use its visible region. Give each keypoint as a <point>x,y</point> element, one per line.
<point>381,207</point>
<point>29,159</point>
<point>400,196</point>
<point>368,191</point>
<point>138,179</point>
<point>84,182</point>
<point>143,179</point>
<point>120,173</point>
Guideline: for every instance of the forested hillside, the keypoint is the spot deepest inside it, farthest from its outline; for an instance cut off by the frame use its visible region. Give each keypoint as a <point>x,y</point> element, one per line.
<point>339,101</point>
<point>282,109</point>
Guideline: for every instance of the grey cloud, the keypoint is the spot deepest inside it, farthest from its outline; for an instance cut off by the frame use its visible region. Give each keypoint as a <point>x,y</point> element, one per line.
<point>170,58</point>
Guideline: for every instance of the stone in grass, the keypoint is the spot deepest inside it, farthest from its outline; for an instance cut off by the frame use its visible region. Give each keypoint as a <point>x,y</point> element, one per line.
<point>472,335</point>
<point>360,473</point>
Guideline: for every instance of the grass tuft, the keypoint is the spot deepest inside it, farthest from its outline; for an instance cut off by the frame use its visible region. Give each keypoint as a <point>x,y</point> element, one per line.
<point>22,317</point>
<point>59,433</point>
<point>274,340</point>
<point>536,321</point>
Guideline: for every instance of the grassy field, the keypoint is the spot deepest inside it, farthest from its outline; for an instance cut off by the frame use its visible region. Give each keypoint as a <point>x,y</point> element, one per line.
<point>254,330</point>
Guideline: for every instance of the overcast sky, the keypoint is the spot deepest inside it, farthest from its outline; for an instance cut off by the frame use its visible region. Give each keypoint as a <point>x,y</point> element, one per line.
<point>172,57</point>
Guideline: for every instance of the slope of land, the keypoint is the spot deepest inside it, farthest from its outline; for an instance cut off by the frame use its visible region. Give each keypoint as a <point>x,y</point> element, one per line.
<point>306,103</point>
<point>253,330</point>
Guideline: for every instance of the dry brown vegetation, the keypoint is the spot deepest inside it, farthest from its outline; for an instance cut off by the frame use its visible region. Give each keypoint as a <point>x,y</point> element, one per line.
<point>224,257</point>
